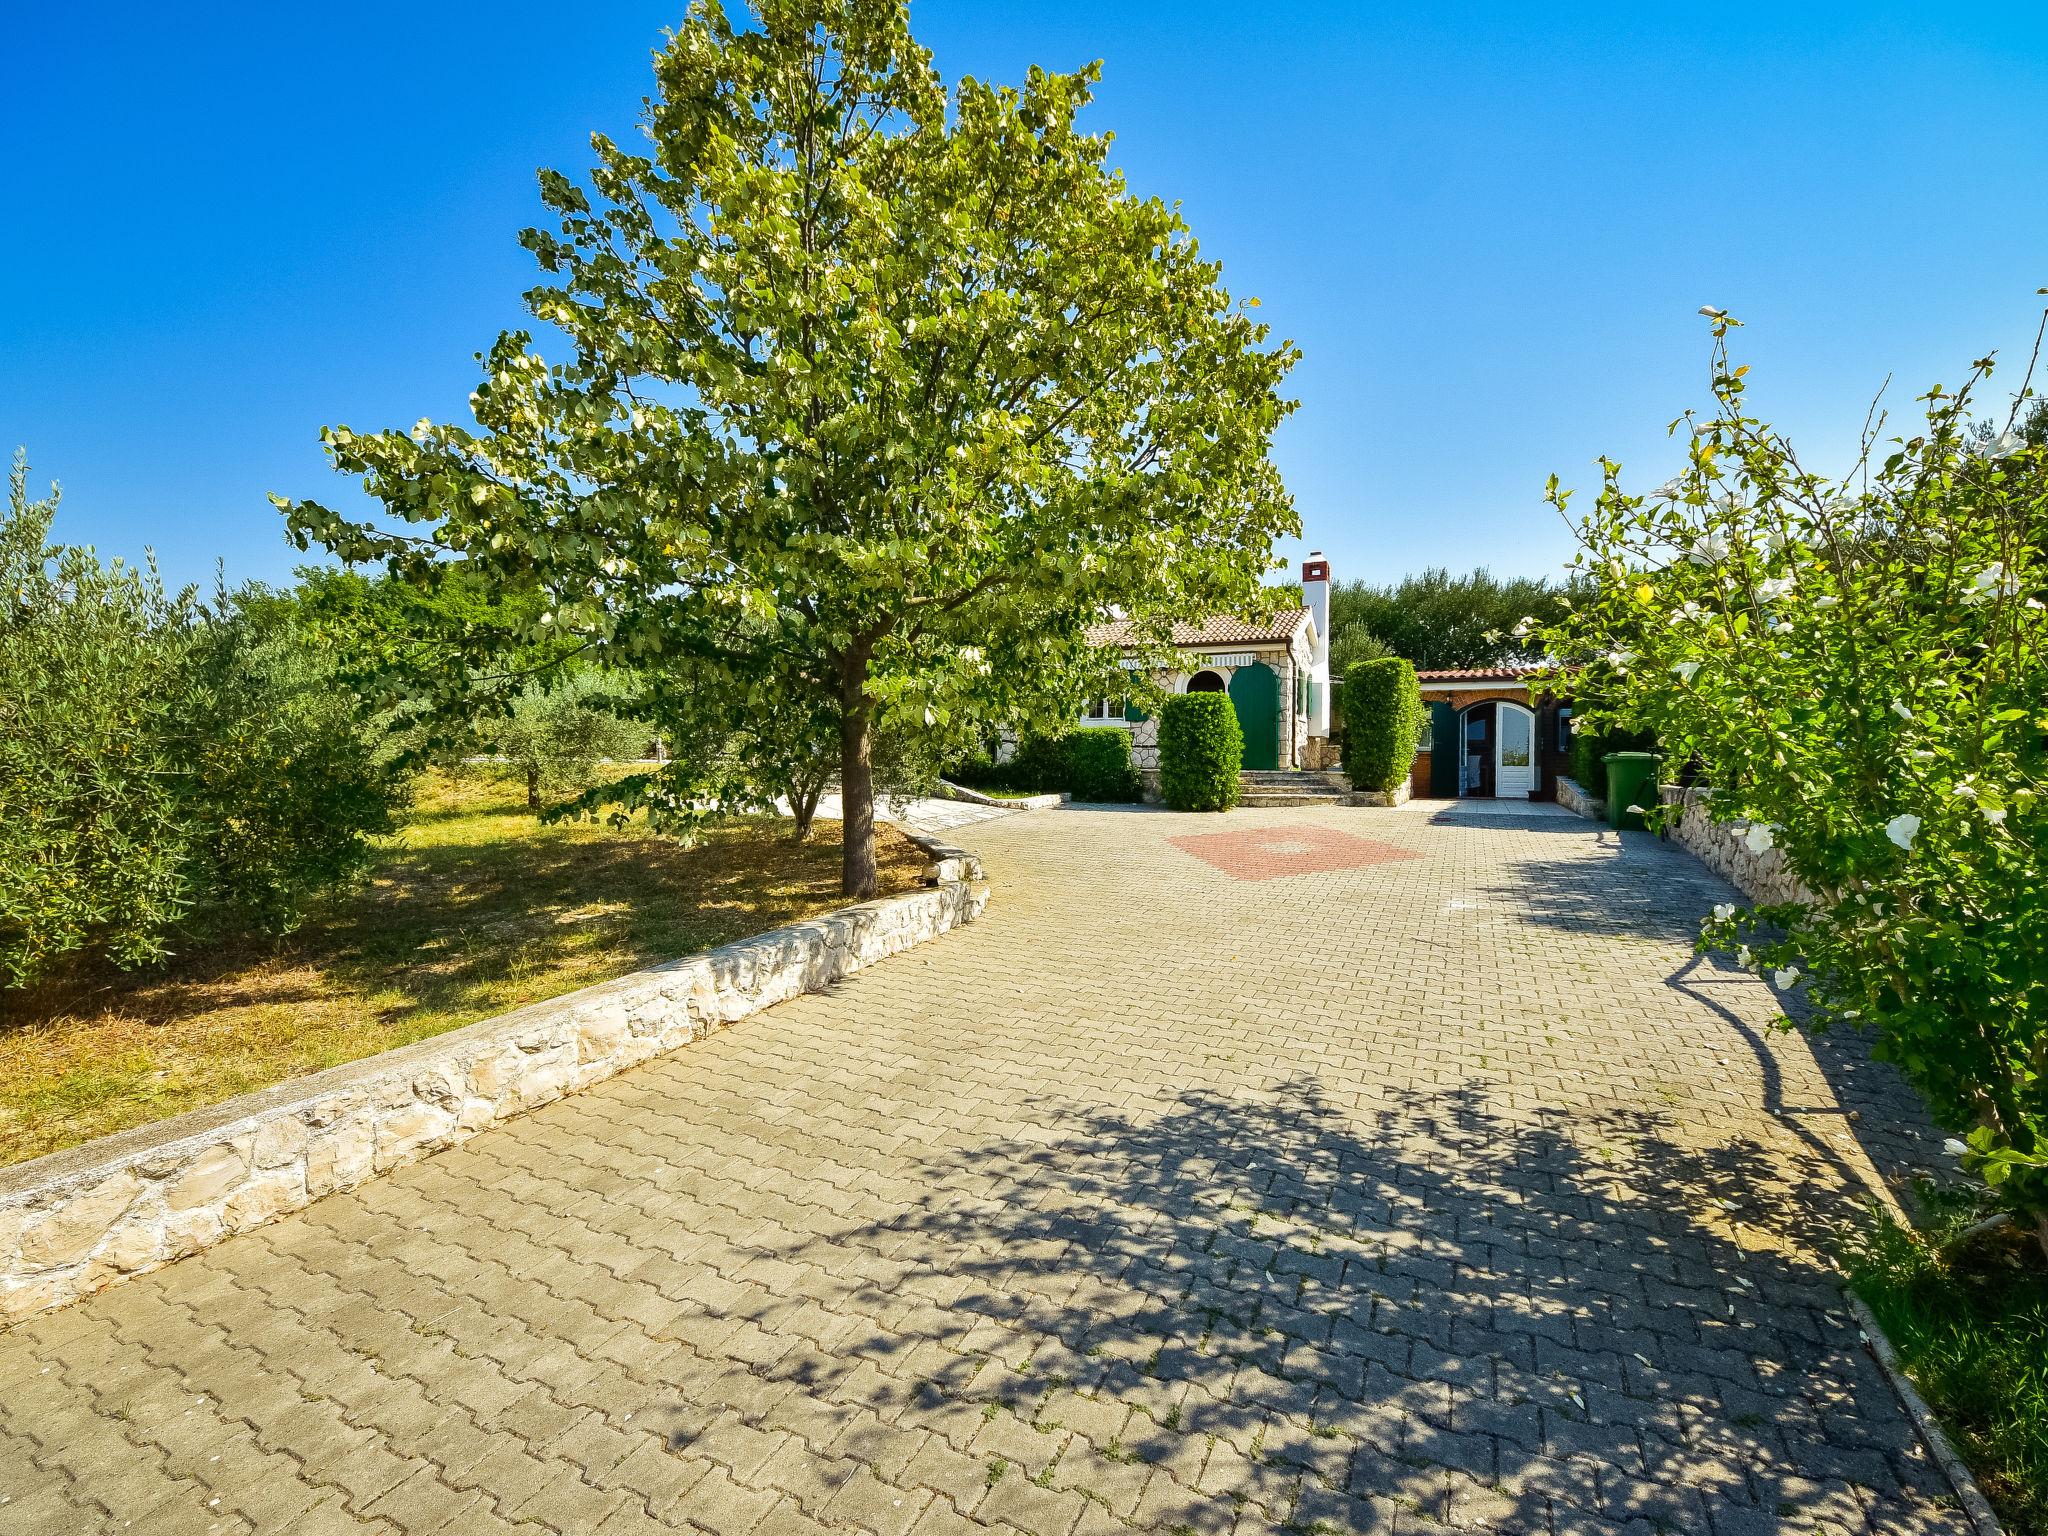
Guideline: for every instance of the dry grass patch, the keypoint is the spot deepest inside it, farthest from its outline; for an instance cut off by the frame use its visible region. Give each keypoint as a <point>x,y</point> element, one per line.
<point>473,909</point>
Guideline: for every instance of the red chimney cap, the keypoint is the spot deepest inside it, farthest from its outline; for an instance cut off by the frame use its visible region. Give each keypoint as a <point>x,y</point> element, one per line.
<point>1315,567</point>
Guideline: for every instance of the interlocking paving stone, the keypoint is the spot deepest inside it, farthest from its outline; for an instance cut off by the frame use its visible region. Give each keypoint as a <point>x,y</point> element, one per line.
<point>1406,1195</point>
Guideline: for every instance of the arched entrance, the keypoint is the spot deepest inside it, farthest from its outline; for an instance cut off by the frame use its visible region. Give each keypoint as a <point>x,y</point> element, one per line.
<point>1497,751</point>
<point>1206,682</point>
<point>1255,693</point>
<point>1514,753</point>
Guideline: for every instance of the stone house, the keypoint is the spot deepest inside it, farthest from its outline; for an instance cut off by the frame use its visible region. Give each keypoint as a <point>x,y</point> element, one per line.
<point>1276,671</point>
<point>1487,739</point>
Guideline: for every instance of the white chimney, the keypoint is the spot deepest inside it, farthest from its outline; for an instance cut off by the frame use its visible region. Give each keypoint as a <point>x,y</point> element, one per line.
<point>1315,596</point>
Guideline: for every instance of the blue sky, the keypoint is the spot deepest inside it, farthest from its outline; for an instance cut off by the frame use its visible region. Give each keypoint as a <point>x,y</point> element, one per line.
<point>1488,226</point>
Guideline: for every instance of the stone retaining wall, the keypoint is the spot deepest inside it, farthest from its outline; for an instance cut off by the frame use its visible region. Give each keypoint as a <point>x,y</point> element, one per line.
<point>75,1220</point>
<point>1579,800</point>
<point>1719,845</point>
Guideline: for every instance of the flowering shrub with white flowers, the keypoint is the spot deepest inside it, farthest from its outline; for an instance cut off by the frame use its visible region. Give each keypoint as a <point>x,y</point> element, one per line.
<point>1858,667</point>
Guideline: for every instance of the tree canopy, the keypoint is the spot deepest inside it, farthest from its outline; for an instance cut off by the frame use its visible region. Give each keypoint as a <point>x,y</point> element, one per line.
<point>878,396</point>
<point>1436,619</point>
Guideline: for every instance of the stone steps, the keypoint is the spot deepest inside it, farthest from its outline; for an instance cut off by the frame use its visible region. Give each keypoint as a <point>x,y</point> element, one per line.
<point>1289,786</point>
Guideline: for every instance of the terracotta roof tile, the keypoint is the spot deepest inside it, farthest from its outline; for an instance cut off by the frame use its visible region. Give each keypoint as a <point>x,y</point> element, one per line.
<point>1225,629</point>
<point>1509,674</point>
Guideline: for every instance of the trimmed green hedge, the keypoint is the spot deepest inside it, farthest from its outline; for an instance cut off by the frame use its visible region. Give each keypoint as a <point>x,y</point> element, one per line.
<point>1201,751</point>
<point>1093,764</point>
<point>1099,767</point>
<point>1382,720</point>
<point>1590,747</point>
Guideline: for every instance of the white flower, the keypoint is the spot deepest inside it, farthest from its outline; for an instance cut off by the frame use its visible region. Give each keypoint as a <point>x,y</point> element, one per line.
<point>1993,581</point>
<point>1903,829</point>
<point>1723,911</point>
<point>1523,626</point>
<point>1758,838</point>
<point>1744,958</point>
<point>1786,979</point>
<point>1635,810</point>
<point>1709,551</point>
<point>1901,711</point>
<point>1826,601</point>
<point>1685,670</point>
<point>1955,1148</point>
<point>1712,313</point>
<point>1995,817</point>
<point>1965,789</point>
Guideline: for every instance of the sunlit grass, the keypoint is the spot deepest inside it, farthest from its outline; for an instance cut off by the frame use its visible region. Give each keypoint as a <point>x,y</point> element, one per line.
<point>476,907</point>
<point>1970,1322</point>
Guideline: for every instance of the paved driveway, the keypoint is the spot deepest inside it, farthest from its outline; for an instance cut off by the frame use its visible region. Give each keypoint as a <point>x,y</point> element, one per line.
<point>1331,1169</point>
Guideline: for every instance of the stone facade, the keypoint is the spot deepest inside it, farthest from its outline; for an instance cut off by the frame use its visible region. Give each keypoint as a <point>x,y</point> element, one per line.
<point>73,1221</point>
<point>1291,661</point>
<point>1720,845</point>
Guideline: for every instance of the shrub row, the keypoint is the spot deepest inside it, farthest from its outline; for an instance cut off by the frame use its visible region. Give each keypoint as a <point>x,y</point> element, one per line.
<point>1090,764</point>
<point>1590,747</point>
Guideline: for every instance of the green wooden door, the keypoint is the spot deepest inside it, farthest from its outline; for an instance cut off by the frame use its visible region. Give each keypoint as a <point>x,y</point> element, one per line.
<point>1255,694</point>
<point>1446,751</point>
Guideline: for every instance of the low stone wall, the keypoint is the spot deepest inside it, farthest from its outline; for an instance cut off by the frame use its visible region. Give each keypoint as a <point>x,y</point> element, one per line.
<point>1719,845</point>
<point>75,1220</point>
<point>966,796</point>
<point>1580,801</point>
<point>1398,795</point>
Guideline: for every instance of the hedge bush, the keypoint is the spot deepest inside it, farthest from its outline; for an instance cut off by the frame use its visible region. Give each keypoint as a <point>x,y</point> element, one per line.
<point>1590,747</point>
<point>1090,764</point>
<point>1099,767</point>
<point>1382,720</point>
<point>1201,751</point>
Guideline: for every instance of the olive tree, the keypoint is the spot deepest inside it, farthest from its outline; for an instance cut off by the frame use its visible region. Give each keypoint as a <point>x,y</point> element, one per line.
<point>878,395</point>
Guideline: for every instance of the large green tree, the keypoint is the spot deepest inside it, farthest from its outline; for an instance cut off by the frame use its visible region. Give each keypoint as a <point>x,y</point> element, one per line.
<point>1436,619</point>
<point>880,394</point>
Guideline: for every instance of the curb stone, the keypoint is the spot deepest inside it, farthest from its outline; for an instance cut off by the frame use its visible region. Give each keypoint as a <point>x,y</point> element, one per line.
<point>1953,1467</point>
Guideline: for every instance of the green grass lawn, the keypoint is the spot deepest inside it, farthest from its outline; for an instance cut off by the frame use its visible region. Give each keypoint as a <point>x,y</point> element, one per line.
<point>1970,1322</point>
<point>474,908</point>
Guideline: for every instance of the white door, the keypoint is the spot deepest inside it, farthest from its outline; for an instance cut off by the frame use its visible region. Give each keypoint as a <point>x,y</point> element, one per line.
<point>1514,762</point>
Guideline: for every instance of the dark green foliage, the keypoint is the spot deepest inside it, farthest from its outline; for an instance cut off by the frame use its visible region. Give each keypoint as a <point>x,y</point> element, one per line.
<point>1969,1318</point>
<point>90,851</point>
<point>279,786</point>
<point>1382,722</point>
<point>1440,620</point>
<point>559,731</point>
<point>1201,751</point>
<point>1099,767</point>
<point>1589,749</point>
<point>1089,764</point>
<point>168,771</point>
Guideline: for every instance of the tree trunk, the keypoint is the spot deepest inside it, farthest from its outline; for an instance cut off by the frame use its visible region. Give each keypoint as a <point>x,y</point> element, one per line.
<point>533,790</point>
<point>2041,1232</point>
<point>803,805</point>
<point>857,877</point>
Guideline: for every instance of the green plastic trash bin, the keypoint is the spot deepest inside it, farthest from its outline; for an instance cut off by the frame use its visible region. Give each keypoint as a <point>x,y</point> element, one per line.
<point>1631,780</point>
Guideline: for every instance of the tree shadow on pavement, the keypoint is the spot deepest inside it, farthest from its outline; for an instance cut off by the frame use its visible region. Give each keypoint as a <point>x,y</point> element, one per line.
<point>1865,1098</point>
<point>1430,1312</point>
